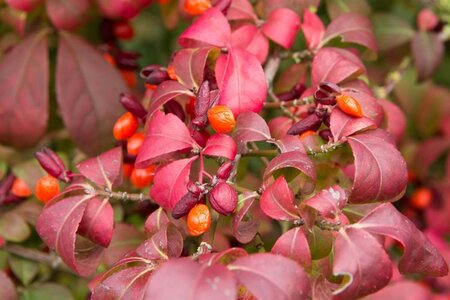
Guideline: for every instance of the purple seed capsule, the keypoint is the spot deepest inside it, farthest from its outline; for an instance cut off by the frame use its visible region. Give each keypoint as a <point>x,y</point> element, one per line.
<point>52,164</point>
<point>173,107</point>
<point>183,206</point>
<point>223,198</point>
<point>329,87</point>
<point>130,103</point>
<point>311,122</point>
<point>156,77</point>
<point>224,170</point>
<point>326,134</point>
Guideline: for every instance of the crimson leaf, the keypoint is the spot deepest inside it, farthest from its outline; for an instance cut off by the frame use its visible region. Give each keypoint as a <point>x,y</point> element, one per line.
<point>251,127</point>
<point>98,222</point>
<point>294,244</point>
<point>328,202</point>
<point>282,26</point>
<point>277,201</point>
<point>250,38</point>
<point>165,92</point>
<point>220,145</point>
<point>166,242</point>
<point>342,125</point>
<point>245,230</point>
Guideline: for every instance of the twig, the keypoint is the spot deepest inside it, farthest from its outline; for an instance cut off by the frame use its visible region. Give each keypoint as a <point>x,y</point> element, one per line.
<point>392,79</point>
<point>123,196</point>
<point>261,153</point>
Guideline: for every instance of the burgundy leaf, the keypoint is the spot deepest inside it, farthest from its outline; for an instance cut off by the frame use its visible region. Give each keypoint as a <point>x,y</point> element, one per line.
<point>328,202</point>
<point>428,153</point>
<point>67,15</point>
<point>250,38</point>
<point>165,243</point>
<point>351,28</point>
<point>369,105</point>
<point>335,65</point>
<point>166,134</point>
<point>395,119</point>
<point>380,171</point>
<point>193,282</point>
<point>343,125</point>
<point>155,221</point>
<point>98,222</point>
<point>170,181</point>
<point>313,29</point>
<point>427,51</point>
<point>251,127</point>
<point>57,226</point>
<point>241,81</point>
<point>125,238</point>
<point>286,279</point>
<point>24,88</point>
<point>241,10</point>
<point>220,145</point>
<point>189,66</point>
<point>244,229</point>
<point>105,169</point>
<point>165,92</point>
<point>361,257</point>
<point>282,26</point>
<point>277,201</point>
<point>279,126</point>
<point>210,29</point>
<point>290,143</point>
<point>7,287</point>
<point>293,244</point>
<point>419,255</point>
<point>86,86</point>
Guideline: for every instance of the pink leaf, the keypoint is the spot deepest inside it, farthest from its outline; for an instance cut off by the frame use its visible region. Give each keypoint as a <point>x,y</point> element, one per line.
<point>241,10</point>
<point>419,255</point>
<point>165,243</point>
<point>292,159</point>
<point>286,279</point>
<point>250,38</point>
<point>7,287</point>
<point>282,26</point>
<point>24,92</point>
<point>335,65</point>
<point>251,127</point>
<point>245,229</point>
<point>380,170</point>
<point>351,28</point>
<point>328,202</point>
<point>193,282</point>
<point>361,257</point>
<point>169,183</point>
<point>241,81</point>
<point>105,169</point>
<point>67,15</point>
<point>165,92</point>
<point>342,125</point>
<point>398,290</point>
<point>220,145</point>
<point>87,88</point>
<point>210,29</point>
<point>98,222</point>
<point>166,134</point>
<point>290,143</point>
<point>125,238</point>
<point>277,201</point>
<point>395,119</point>
<point>189,66</point>
<point>427,52</point>
<point>279,126</point>
<point>293,244</point>
<point>155,221</point>
<point>313,29</point>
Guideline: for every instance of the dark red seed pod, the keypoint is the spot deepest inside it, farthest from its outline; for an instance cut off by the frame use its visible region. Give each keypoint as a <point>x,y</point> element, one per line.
<point>145,72</point>
<point>222,5</point>
<point>107,30</point>
<point>193,188</point>
<point>173,107</point>
<point>130,103</point>
<point>326,134</point>
<point>127,60</point>
<point>10,199</point>
<point>329,87</point>
<point>6,184</point>
<point>224,170</point>
<point>311,122</point>
<point>293,94</point>
<point>326,120</point>
<point>324,98</point>
<point>183,206</point>
<point>223,198</point>
<point>321,112</point>
<point>156,77</point>
<point>52,164</point>
<point>202,104</point>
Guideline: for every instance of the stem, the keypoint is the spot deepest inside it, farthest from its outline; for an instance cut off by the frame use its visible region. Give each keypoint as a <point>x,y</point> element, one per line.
<point>202,169</point>
<point>261,153</point>
<point>392,79</point>
<point>296,102</point>
<point>271,68</point>
<point>123,196</point>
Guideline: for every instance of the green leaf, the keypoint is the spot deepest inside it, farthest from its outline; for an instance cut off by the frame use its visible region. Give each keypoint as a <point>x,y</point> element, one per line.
<point>24,270</point>
<point>13,227</point>
<point>391,31</point>
<point>47,291</point>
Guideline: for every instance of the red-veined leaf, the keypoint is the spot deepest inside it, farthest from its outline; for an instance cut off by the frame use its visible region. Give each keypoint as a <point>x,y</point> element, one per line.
<point>125,238</point>
<point>290,143</point>
<point>277,201</point>
<point>155,221</point>
<point>313,29</point>
<point>427,52</point>
<point>67,15</point>
<point>7,287</point>
<point>24,73</point>
<point>293,244</point>
<point>395,119</point>
<point>165,243</point>
<point>328,202</point>
<point>282,26</point>
<point>165,92</point>
<point>245,230</point>
<point>250,38</point>
<point>169,183</point>
<point>343,125</point>
<point>241,10</point>
<point>97,223</point>
<point>220,145</point>
<point>251,127</point>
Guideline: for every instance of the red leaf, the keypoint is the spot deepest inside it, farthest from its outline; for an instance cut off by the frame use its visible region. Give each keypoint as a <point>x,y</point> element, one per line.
<point>67,15</point>
<point>293,244</point>
<point>24,92</point>
<point>245,229</point>
<point>220,145</point>
<point>193,282</point>
<point>277,201</point>
<point>352,28</point>
<point>428,153</point>
<point>335,65</point>
<point>395,119</point>
<point>24,5</point>
<point>210,29</point>
<point>290,143</point>
<point>57,226</point>
<point>328,202</point>
<point>7,287</point>
<point>224,257</point>
<point>369,105</point>
<point>282,26</point>
<point>169,183</point>
<point>165,92</point>
<point>86,89</point>
<point>398,290</point>
<point>250,38</point>
<point>428,52</point>
<point>342,125</point>
<point>189,66</point>
<point>380,171</point>
<point>241,10</point>
<point>166,134</point>
<point>241,81</point>
<point>361,257</point>
<point>165,243</point>
<point>419,255</point>
<point>105,169</point>
<point>313,29</point>
<point>155,221</point>
<point>279,126</point>
<point>98,222</point>
<point>125,239</point>
<point>286,279</point>
<point>251,127</point>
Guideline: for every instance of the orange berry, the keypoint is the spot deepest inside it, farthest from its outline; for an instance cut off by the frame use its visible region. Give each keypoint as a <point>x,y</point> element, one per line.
<point>221,119</point>
<point>125,126</point>
<point>109,59</point>
<point>123,30</point>
<point>20,188</point>
<point>127,170</point>
<point>196,7</point>
<point>47,187</point>
<point>130,78</point>
<point>306,134</point>
<point>421,198</point>
<point>198,220</point>
<point>151,87</point>
<point>349,105</point>
<point>134,143</point>
<point>141,178</point>
<point>171,72</point>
